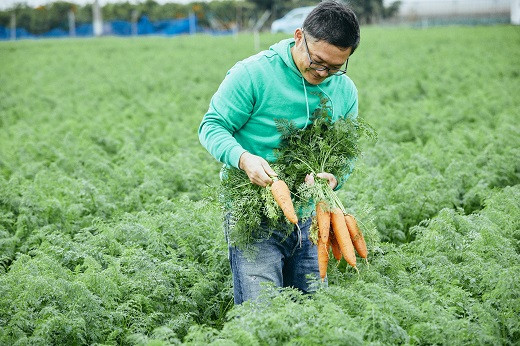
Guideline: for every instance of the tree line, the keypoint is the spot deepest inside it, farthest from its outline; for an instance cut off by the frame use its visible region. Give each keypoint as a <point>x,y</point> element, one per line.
<point>223,14</point>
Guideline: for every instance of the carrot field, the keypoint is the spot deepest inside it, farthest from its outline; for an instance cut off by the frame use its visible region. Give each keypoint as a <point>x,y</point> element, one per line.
<point>110,227</point>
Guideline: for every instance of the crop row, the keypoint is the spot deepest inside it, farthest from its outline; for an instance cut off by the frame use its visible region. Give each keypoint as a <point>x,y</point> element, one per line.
<point>109,223</point>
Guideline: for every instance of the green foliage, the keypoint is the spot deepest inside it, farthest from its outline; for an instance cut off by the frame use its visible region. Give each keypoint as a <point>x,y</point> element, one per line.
<point>442,142</point>
<point>40,19</point>
<point>322,146</point>
<point>120,278</point>
<point>228,14</point>
<point>325,145</point>
<point>250,210</point>
<point>372,11</point>
<point>225,14</point>
<point>111,233</point>
<point>456,283</point>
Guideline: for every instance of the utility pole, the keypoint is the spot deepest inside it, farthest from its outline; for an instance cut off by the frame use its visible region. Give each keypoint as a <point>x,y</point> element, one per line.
<point>13,26</point>
<point>256,28</point>
<point>239,16</point>
<point>135,18</point>
<point>97,24</point>
<point>192,22</point>
<point>72,23</point>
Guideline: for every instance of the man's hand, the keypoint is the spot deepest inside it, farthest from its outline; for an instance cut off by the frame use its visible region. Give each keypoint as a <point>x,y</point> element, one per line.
<point>333,182</point>
<point>257,169</point>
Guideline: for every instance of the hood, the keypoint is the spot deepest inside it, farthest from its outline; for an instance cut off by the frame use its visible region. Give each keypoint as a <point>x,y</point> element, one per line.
<point>283,49</point>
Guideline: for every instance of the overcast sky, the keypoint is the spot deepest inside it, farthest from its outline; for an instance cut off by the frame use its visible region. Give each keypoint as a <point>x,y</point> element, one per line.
<point>4,4</point>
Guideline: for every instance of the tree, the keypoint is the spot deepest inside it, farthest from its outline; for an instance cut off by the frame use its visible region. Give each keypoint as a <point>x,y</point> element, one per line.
<point>371,11</point>
<point>118,11</point>
<point>57,14</point>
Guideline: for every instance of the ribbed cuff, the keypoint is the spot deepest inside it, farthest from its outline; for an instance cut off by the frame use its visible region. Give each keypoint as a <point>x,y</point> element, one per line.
<point>234,156</point>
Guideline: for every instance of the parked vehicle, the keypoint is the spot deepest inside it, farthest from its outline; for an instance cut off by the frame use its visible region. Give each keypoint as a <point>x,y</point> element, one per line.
<point>291,21</point>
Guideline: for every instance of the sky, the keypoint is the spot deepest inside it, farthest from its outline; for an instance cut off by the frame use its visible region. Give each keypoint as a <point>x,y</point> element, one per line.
<point>5,4</point>
<point>414,4</point>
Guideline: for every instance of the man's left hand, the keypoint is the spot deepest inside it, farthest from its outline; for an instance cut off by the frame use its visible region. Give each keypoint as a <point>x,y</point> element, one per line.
<point>333,182</point>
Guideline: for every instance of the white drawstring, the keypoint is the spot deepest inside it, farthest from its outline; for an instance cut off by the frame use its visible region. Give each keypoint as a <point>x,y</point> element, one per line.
<point>306,103</point>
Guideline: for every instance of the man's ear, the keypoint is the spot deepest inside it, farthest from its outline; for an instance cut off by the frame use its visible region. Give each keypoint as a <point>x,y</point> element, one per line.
<point>298,36</point>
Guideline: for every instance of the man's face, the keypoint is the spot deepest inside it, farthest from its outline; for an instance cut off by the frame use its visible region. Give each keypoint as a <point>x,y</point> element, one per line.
<point>320,52</point>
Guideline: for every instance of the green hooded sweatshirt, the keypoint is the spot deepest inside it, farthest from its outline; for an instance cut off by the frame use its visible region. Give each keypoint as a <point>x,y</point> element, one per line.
<point>258,90</point>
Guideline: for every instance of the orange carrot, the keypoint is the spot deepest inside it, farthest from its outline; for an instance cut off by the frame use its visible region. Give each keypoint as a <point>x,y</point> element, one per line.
<point>323,218</point>
<point>336,251</point>
<point>323,258</point>
<point>356,235</point>
<point>339,227</point>
<point>282,196</point>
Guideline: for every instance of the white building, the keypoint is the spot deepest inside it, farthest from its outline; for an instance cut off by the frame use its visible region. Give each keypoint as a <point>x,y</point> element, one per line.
<point>515,12</point>
<point>418,9</point>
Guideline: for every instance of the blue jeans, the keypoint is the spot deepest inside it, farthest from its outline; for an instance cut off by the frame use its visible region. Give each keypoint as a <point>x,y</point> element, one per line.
<point>279,259</point>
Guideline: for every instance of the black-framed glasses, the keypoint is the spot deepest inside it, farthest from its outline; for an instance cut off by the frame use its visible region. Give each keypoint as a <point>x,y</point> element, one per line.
<point>319,67</point>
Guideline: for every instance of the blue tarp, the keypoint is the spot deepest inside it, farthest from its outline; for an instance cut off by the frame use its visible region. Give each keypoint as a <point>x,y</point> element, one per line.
<point>172,27</point>
<point>145,26</point>
<point>55,33</point>
<point>121,28</point>
<point>118,28</point>
<point>84,30</point>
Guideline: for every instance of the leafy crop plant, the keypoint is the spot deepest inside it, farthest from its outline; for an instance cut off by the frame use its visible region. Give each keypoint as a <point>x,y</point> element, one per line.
<point>111,234</point>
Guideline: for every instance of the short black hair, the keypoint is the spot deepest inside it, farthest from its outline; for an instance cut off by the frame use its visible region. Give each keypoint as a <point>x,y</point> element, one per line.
<point>334,23</point>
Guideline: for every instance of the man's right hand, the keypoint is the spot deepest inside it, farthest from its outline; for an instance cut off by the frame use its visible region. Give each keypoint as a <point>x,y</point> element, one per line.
<point>257,169</point>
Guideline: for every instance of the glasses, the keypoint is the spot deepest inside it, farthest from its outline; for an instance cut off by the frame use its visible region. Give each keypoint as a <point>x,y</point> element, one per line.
<point>319,67</point>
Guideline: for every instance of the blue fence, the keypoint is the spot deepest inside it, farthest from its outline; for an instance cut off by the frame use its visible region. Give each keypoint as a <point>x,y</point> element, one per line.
<point>116,28</point>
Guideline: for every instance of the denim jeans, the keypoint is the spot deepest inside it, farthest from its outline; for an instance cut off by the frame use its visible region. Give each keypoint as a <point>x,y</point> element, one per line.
<point>279,259</point>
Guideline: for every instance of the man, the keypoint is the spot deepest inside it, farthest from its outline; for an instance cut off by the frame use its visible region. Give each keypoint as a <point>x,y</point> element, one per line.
<point>239,130</point>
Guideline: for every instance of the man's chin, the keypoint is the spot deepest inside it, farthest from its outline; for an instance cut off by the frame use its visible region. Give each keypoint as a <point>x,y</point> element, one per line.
<point>312,79</point>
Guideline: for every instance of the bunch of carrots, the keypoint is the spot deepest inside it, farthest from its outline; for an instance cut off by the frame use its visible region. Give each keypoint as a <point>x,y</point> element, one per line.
<point>327,144</point>
<point>337,230</point>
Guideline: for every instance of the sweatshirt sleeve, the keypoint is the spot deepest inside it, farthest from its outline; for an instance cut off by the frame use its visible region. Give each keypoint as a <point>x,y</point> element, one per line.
<point>230,108</point>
